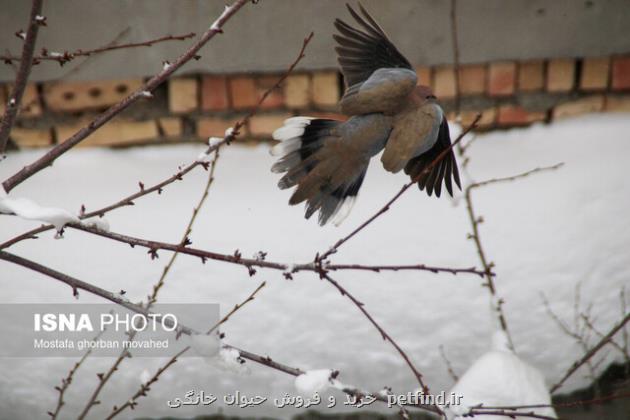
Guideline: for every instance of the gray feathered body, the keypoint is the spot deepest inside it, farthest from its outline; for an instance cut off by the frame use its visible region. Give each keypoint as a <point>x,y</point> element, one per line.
<point>326,160</point>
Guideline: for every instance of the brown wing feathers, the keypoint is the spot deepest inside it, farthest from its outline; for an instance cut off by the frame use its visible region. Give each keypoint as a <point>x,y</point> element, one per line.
<point>444,171</point>
<point>361,53</point>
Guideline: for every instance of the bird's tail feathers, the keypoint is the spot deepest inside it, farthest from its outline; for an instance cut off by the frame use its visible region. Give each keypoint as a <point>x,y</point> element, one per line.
<point>314,159</point>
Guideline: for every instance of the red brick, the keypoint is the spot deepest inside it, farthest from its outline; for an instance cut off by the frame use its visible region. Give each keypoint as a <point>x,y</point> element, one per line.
<point>264,125</point>
<point>214,93</point>
<point>297,90</point>
<point>31,137</point>
<point>243,92</point>
<point>517,115</point>
<point>595,73</point>
<point>79,96</point>
<point>215,127</point>
<point>618,103</point>
<point>501,79</point>
<point>472,79</point>
<point>424,75</point>
<point>621,73</point>
<point>182,95</point>
<point>531,76</point>
<point>560,75</point>
<point>115,133</point>
<point>580,106</point>
<point>488,117</point>
<point>325,89</point>
<point>170,126</point>
<point>444,82</point>
<point>275,99</point>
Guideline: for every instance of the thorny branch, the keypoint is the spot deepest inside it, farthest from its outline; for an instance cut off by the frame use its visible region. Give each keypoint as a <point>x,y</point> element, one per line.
<point>15,99</point>
<point>143,92</point>
<point>67,56</point>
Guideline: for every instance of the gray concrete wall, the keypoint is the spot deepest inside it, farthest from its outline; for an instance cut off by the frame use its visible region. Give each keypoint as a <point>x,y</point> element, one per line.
<point>266,36</point>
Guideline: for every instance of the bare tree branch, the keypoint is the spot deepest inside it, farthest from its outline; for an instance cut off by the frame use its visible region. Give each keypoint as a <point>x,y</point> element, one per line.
<point>146,387</point>
<point>67,56</point>
<point>77,284</point>
<point>475,236</point>
<point>15,99</point>
<point>145,91</point>
<point>65,382</point>
<point>605,340</point>
<point>151,299</point>
<point>179,175</point>
<point>384,334</point>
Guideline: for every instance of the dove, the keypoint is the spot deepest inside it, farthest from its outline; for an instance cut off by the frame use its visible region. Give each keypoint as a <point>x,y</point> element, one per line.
<point>389,111</point>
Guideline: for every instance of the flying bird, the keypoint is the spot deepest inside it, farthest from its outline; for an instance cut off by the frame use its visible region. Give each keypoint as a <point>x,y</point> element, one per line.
<point>327,159</point>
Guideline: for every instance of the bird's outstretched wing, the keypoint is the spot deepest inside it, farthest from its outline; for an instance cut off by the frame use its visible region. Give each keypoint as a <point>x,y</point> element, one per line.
<point>445,170</point>
<point>377,76</point>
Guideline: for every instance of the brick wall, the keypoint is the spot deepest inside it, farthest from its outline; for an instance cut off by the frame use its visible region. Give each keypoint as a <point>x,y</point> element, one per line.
<point>195,107</point>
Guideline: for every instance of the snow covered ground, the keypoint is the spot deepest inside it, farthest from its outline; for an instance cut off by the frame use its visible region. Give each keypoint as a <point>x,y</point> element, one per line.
<point>546,233</point>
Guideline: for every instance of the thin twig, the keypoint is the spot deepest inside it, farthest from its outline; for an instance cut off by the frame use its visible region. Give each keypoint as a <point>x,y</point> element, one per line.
<point>15,99</point>
<point>475,236</point>
<point>67,56</point>
<point>65,382</point>
<point>146,387</point>
<point>589,324</point>
<point>143,92</point>
<point>152,298</point>
<point>575,366</point>
<point>505,413</point>
<point>449,366</point>
<point>384,334</point>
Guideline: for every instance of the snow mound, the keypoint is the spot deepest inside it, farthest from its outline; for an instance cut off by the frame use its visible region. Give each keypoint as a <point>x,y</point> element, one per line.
<point>500,378</point>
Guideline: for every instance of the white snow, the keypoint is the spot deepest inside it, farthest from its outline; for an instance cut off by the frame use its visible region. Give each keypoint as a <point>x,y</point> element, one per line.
<point>230,361</point>
<point>30,210</point>
<point>545,233</point>
<point>100,223</point>
<point>145,376</point>
<point>215,141</point>
<point>207,346</point>
<point>500,378</point>
<point>313,381</point>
